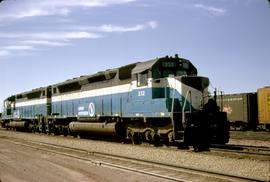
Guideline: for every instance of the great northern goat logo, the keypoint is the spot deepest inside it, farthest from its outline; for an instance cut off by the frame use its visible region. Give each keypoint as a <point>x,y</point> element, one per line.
<point>227,109</point>
<point>91,109</point>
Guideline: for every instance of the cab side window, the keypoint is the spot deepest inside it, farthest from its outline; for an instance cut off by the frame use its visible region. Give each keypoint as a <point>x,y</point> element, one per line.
<point>142,79</point>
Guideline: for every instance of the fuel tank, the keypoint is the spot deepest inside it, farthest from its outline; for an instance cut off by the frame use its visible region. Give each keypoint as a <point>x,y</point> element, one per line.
<point>17,124</point>
<point>93,128</point>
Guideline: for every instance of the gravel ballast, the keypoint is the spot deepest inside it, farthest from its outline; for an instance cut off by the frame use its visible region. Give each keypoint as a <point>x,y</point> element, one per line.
<point>235,166</point>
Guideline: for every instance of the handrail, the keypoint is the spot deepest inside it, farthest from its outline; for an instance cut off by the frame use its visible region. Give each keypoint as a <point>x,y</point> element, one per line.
<point>184,105</point>
<point>172,108</point>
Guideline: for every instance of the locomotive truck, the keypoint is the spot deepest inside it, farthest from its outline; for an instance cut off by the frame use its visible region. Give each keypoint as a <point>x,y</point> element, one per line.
<point>157,100</point>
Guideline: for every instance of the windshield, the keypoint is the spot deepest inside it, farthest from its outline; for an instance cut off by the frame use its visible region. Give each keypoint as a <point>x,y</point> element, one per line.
<point>167,67</point>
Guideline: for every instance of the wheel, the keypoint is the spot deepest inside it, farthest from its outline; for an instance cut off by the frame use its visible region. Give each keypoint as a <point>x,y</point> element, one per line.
<point>136,139</point>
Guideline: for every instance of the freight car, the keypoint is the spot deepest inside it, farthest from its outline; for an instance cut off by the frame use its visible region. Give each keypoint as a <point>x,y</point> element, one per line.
<point>158,100</point>
<point>241,110</point>
<point>264,107</point>
<point>247,111</point>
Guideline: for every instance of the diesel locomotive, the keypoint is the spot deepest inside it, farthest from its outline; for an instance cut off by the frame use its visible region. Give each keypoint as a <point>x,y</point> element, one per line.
<point>157,100</point>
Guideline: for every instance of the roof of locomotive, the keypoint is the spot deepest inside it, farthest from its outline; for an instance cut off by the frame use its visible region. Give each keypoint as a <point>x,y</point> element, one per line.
<point>137,67</point>
<point>143,66</point>
<point>134,68</point>
<point>26,94</point>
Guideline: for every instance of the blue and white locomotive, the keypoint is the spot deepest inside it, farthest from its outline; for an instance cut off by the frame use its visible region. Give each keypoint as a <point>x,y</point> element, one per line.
<point>160,99</point>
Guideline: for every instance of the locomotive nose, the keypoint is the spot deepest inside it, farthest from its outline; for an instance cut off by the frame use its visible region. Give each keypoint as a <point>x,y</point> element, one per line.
<point>196,82</point>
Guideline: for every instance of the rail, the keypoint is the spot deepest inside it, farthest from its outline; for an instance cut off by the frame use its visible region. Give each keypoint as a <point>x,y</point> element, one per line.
<point>157,169</point>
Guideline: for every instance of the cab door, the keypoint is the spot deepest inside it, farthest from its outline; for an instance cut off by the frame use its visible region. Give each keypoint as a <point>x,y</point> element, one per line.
<point>141,95</point>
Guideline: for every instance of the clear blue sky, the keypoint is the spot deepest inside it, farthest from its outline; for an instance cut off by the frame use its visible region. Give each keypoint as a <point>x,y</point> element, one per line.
<point>49,41</point>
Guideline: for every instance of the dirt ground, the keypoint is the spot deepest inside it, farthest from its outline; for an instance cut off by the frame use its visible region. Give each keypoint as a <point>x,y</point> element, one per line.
<point>18,163</point>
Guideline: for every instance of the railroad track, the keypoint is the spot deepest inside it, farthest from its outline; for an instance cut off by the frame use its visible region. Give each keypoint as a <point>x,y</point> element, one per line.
<point>160,170</point>
<point>250,138</point>
<point>229,150</point>
<point>250,135</point>
<point>237,151</point>
<point>250,152</point>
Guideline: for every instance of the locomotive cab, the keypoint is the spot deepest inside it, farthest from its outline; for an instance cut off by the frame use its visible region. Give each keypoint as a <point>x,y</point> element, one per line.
<point>8,110</point>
